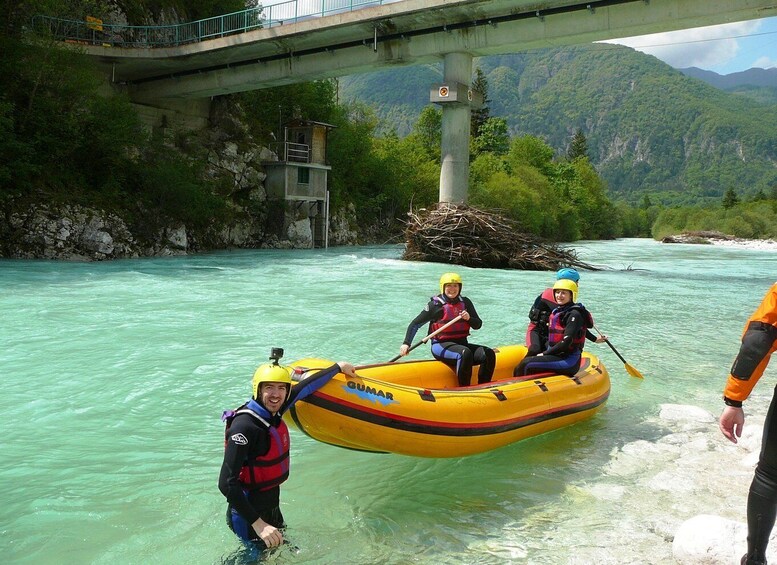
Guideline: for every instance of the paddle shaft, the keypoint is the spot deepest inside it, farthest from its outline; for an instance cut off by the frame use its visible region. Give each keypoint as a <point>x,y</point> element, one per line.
<point>607,341</point>
<point>631,370</point>
<point>430,336</point>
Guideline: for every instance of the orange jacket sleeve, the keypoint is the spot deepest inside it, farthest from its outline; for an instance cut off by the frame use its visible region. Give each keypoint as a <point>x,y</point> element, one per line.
<point>756,350</point>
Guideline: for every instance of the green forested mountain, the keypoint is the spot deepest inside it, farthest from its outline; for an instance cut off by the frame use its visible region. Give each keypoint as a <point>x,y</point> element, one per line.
<point>758,84</point>
<point>650,129</point>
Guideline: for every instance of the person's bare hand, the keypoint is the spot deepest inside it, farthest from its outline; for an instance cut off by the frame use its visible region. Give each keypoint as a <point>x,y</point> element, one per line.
<point>731,422</point>
<point>270,535</point>
<point>347,369</point>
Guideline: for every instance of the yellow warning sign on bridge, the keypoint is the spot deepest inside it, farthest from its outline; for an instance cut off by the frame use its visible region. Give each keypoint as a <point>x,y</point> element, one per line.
<point>94,23</point>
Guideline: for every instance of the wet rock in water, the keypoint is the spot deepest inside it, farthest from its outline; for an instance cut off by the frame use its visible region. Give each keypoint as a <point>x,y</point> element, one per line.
<point>710,540</point>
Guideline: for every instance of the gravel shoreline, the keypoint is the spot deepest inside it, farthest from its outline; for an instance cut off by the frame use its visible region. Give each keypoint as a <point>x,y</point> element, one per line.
<point>715,238</point>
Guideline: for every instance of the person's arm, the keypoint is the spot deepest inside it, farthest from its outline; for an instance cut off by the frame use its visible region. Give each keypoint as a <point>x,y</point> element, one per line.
<point>474,320</point>
<point>431,313</point>
<point>595,338</point>
<point>758,344</point>
<point>759,340</point>
<point>575,325</point>
<point>242,441</point>
<point>536,309</point>
<point>315,381</point>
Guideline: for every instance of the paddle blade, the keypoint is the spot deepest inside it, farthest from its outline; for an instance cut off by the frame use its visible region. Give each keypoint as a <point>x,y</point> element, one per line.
<point>632,371</point>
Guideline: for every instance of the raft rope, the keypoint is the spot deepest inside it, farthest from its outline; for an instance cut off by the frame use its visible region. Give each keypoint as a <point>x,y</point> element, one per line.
<point>488,389</point>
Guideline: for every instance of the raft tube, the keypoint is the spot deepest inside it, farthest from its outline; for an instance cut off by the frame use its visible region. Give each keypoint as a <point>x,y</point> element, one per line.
<point>417,408</point>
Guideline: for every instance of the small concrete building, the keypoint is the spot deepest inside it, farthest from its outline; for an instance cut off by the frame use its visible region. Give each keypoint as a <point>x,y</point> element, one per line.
<point>296,184</point>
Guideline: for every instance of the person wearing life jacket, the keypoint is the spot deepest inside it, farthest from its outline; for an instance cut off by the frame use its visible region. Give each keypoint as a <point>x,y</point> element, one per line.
<point>567,327</point>
<point>451,345</point>
<point>539,313</point>
<point>759,341</point>
<point>256,450</point>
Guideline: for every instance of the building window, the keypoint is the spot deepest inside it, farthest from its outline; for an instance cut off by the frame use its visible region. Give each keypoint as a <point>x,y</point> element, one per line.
<point>303,176</point>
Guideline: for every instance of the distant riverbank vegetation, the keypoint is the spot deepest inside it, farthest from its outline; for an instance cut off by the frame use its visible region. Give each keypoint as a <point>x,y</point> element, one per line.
<point>63,141</point>
<point>756,219</point>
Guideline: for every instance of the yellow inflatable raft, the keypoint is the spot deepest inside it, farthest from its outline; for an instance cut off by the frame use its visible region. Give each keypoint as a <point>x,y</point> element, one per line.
<point>416,408</point>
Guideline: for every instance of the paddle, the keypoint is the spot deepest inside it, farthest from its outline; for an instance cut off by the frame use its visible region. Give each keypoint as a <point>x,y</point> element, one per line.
<point>430,336</point>
<point>629,369</point>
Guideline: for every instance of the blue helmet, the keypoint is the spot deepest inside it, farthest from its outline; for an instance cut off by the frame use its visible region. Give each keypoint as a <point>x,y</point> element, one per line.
<point>568,273</point>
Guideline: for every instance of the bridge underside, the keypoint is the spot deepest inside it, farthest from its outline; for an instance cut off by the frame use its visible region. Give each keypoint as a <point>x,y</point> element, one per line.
<point>402,33</point>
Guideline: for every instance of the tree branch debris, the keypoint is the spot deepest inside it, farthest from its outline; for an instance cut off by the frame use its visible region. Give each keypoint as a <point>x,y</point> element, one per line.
<point>462,235</point>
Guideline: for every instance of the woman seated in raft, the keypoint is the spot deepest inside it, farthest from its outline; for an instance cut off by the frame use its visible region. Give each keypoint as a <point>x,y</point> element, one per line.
<point>451,345</point>
<point>567,328</point>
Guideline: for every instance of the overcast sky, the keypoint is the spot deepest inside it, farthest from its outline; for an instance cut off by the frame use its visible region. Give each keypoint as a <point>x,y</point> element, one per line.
<point>724,49</point>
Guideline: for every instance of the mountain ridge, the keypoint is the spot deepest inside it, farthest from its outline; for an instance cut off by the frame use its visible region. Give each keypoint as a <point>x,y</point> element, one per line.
<point>651,129</point>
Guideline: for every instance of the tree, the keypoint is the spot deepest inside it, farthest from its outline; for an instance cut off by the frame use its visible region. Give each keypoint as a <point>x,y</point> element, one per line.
<point>530,150</point>
<point>428,131</point>
<point>646,202</point>
<point>730,199</point>
<point>479,116</point>
<point>579,146</point>
<point>492,137</point>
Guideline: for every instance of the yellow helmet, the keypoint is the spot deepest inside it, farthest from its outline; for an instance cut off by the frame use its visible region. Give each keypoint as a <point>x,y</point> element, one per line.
<point>270,373</point>
<point>566,284</point>
<point>449,278</point>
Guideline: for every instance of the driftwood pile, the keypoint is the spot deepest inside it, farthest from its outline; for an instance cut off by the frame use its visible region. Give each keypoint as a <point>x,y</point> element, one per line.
<point>462,235</point>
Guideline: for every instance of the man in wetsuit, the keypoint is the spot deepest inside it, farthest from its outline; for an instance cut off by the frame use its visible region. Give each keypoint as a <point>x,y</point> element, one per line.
<point>759,341</point>
<point>451,345</point>
<point>256,453</point>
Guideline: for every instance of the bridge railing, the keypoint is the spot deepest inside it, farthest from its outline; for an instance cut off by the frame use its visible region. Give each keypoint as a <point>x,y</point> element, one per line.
<point>95,32</point>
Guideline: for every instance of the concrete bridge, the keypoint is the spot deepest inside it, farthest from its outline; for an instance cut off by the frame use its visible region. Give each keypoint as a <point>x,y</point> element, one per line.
<point>182,79</point>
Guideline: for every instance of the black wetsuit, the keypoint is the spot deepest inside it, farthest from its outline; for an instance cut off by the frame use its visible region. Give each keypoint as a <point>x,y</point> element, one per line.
<point>253,440</point>
<point>456,352</point>
<point>537,333</point>
<point>562,358</point>
<point>762,499</point>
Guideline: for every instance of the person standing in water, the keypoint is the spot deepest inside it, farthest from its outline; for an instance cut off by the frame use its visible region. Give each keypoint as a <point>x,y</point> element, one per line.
<point>759,341</point>
<point>451,345</point>
<point>256,450</point>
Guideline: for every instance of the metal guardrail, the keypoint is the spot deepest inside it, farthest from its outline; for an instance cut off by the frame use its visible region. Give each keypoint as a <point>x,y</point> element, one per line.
<point>287,151</point>
<point>95,32</point>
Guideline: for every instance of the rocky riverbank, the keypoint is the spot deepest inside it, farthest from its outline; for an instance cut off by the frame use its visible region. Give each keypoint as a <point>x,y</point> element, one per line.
<point>79,233</point>
<point>718,238</point>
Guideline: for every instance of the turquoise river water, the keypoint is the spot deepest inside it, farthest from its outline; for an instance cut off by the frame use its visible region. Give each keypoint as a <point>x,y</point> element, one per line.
<point>114,377</point>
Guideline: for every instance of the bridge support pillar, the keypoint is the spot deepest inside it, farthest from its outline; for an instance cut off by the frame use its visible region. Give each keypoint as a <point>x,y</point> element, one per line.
<point>454,173</point>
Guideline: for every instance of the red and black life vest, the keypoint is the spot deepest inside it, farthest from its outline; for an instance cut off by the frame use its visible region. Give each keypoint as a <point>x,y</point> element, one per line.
<point>558,322</point>
<point>459,330</point>
<point>271,469</point>
<point>542,307</point>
